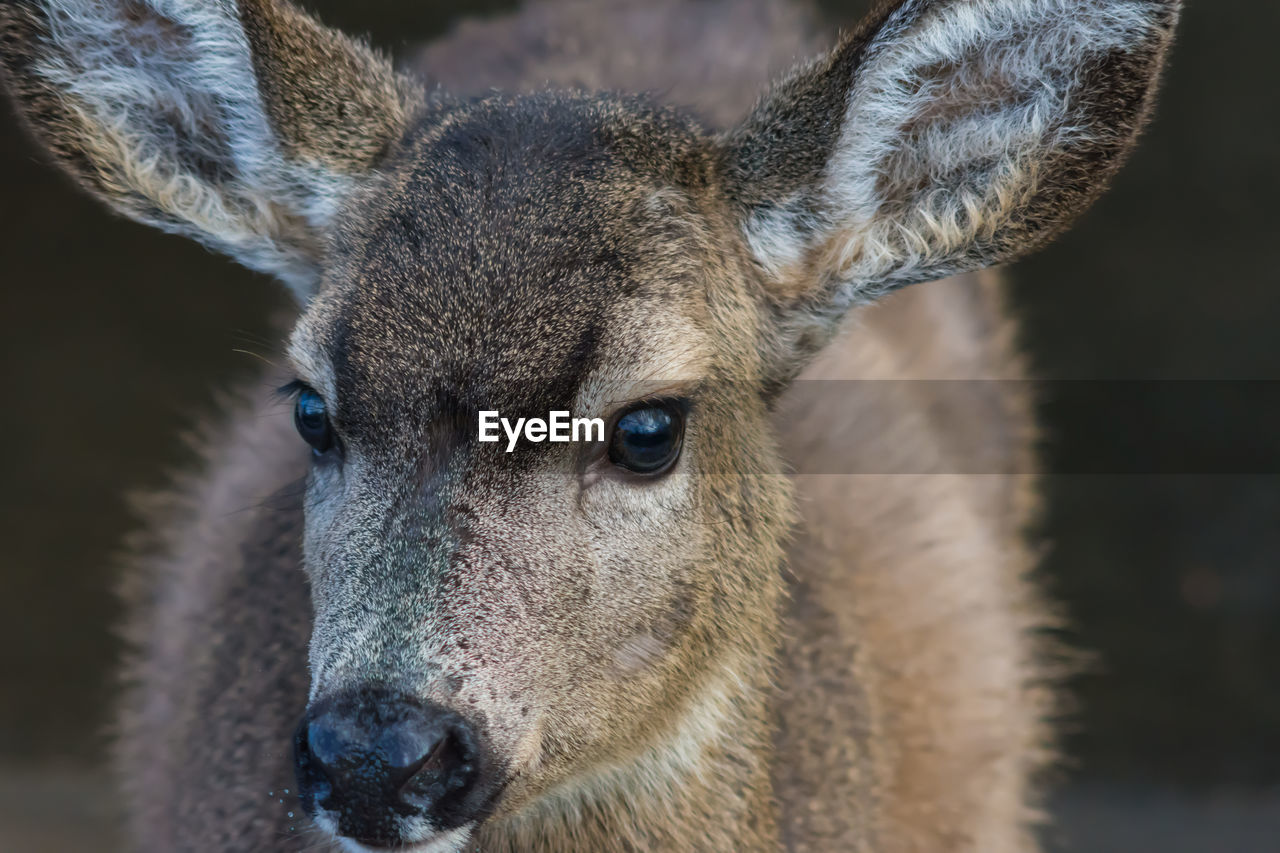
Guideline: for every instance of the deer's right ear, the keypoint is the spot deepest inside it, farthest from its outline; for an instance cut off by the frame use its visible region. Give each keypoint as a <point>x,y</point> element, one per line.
<point>241,124</point>
<point>943,136</point>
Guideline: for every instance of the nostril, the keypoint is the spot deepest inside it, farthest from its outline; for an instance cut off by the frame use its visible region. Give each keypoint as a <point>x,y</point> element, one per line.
<point>323,742</point>
<point>445,774</point>
<point>433,761</point>
<point>407,748</point>
<point>313,781</point>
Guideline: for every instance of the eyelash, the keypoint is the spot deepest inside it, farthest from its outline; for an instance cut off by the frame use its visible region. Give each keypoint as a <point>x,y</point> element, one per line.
<point>292,389</point>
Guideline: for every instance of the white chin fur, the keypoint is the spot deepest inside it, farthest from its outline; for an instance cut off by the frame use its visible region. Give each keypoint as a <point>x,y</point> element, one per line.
<point>448,842</point>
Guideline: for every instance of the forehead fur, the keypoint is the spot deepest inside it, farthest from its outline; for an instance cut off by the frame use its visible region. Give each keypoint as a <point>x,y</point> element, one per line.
<point>483,267</point>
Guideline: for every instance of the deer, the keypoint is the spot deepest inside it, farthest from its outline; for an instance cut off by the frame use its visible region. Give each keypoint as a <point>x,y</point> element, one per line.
<point>753,617</point>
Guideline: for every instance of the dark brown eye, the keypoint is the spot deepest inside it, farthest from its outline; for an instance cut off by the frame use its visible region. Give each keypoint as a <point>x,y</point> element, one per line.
<point>311,417</point>
<point>647,439</point>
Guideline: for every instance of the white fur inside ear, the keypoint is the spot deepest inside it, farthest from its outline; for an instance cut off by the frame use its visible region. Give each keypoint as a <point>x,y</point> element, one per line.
<point>1019,61</point>
<point>162,83</point>
<point>953,111</point>
<point>779,236</point>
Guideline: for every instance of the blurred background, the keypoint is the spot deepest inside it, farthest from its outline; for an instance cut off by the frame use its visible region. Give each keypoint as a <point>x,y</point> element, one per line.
<point>1153,321</point>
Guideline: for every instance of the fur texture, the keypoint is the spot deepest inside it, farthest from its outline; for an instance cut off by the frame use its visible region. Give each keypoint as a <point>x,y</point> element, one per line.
<point>167,112</point>
<point>971,132</point>
<point>723,657</point>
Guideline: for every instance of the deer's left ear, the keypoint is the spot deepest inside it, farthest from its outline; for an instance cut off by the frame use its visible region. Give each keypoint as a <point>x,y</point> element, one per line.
<point>943,136</point>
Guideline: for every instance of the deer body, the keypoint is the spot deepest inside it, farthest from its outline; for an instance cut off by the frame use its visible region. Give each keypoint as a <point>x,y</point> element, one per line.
<point>589,655</point>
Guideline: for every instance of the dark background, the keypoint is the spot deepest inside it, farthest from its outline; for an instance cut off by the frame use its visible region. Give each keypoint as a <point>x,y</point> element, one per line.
<point>115,338</point>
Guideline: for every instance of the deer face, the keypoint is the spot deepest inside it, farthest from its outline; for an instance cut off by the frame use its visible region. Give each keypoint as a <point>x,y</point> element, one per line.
<point>563,605</point>
<point>500,632</point>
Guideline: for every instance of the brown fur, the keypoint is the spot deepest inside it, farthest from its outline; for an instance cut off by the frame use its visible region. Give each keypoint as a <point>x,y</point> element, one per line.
<point>888,742</point>
<point>649,671</point>
<point>321,116</point>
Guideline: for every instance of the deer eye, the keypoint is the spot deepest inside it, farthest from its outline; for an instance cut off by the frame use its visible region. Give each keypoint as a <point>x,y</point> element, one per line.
<point>647,439</point>
<point>311,417</point>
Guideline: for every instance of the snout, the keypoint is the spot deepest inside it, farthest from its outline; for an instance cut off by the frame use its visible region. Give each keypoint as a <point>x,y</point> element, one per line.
<point>387,769</point>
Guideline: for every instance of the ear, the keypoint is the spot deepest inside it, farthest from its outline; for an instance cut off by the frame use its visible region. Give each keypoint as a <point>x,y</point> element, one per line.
<point>241,124</point>
<point>943,136</point>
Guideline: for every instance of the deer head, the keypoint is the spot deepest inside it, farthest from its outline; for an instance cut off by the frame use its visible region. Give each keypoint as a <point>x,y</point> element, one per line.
<point>502,634</point>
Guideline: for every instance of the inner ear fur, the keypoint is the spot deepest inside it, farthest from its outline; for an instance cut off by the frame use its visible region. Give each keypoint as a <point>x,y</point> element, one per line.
<point>939,137</point>
<point>240,124</point>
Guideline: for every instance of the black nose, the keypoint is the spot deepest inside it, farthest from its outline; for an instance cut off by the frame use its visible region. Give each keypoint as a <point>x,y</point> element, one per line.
<point>372,758</point>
